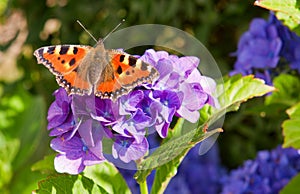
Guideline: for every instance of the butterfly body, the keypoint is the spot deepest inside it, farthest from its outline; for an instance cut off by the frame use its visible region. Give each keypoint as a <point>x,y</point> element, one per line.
<point>84,70</point>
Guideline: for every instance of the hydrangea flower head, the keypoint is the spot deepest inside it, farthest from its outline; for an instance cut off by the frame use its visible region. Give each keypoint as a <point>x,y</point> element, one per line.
<point>80,124</point>
<point>263,45</point>
<point>268,173</point>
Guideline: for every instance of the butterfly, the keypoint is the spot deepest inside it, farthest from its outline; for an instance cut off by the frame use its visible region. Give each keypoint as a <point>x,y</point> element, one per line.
<point>84,70</point>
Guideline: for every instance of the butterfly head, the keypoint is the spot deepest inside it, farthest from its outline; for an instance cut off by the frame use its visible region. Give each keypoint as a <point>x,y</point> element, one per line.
<point>100,43</point>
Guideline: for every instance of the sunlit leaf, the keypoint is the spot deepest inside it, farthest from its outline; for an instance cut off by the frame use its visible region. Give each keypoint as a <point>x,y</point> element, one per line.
<point>287,90</point>
<point>65,184</point>
<point>288,10</point>
<point>292,186</point>
<point>8,151</point>
<point>108,177</point>
<point>46,165</point>
<point>291,128</point>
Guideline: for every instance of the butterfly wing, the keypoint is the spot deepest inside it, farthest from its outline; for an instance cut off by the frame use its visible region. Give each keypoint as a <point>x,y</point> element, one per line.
<point>131,71</point>
<point>63,62</point>
<point>108,86</point>
<point>124,73</point>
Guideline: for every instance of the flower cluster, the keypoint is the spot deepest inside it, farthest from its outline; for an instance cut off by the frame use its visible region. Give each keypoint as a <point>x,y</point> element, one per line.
<point>268,173</point>
<point>85,126</point>
<point>261,48</point>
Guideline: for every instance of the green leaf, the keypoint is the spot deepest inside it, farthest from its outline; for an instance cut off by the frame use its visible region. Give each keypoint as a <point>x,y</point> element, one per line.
<point>8,151</point>
<point>291,127</point>
<point>168,156</point>
<point>238,89</point>
<point>288,10</point>
<point>176,131</point>
<point>293,186</point>
<point>30,124</point>
<point>23,117</point>
<point>107,176</point>
<point>164,173</point>
<point>234,91</point>
<point>46,165</point>
<point>3,5</point>
<point>65,184</point>
<point>287,90</point>
<point>24,181</point>
<point>175,147</point>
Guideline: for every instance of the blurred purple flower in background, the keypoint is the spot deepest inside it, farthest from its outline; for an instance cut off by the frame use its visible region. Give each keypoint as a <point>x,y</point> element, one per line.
<point>263,45</point>
<point>82,124</point>
<point>268,173</point>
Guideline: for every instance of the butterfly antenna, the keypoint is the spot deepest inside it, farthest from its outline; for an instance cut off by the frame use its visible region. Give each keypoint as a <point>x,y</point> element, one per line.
<point>123,20</point>
<point>87,31</point>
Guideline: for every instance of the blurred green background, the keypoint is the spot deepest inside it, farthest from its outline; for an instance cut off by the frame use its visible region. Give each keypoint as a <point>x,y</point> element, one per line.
<point>26,87</point>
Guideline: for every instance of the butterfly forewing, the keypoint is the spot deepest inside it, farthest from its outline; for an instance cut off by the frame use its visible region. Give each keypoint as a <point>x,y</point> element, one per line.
<point>63,61</point>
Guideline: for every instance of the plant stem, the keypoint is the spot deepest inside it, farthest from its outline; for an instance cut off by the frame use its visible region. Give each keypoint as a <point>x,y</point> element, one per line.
<point>144,187</point>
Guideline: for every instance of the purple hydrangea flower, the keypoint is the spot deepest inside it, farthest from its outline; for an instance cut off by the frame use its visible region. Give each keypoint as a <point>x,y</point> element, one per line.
<point>291,45</point>
<point>167,104</point>
<point>268,173</point>
<point>180,75</point>
<point>80,124</point>
<point>128,148</point>
<point>59,110</point>
<point>263,45</point>
<point>74,154</point>
<point>258,48</point>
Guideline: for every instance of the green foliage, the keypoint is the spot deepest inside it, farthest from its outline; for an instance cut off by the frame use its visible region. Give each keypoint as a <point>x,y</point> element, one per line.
<point>292,187</point>
<point>287,90</point>
<point>291,128</point>
<point>65,184</point>
<point>238,89</point>
<point>107,176</point>
<point>23,116</point>
<point>8,151</point>
<point>287,10</point>
<point>3,4</point>
<point>101,178</point>
<point>46,165</point>
<point>287,96</point>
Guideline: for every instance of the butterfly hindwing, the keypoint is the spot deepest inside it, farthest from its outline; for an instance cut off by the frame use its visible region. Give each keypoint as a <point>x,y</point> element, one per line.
<point>123,74</point>
<point>74,84</point>
<point>108,86</point>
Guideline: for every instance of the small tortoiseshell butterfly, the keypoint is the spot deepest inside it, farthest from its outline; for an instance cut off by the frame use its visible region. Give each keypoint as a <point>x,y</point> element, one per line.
<point>84,69</point>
